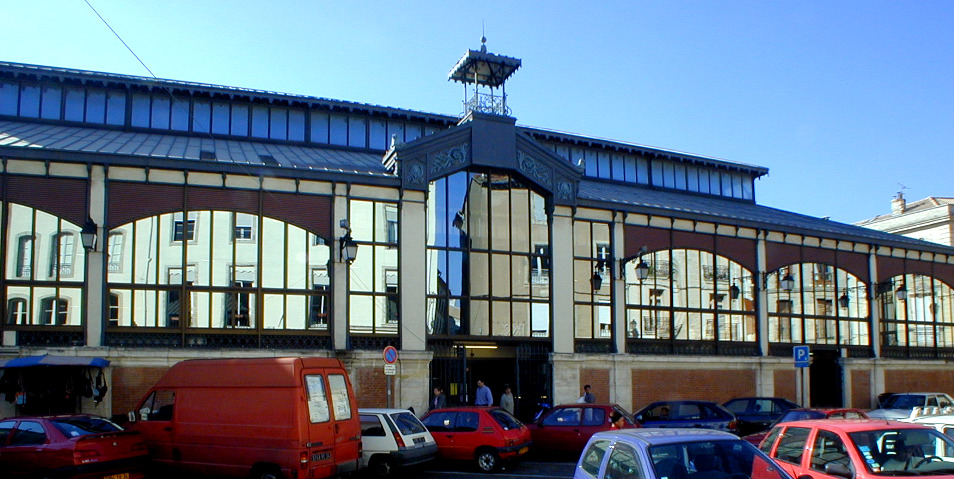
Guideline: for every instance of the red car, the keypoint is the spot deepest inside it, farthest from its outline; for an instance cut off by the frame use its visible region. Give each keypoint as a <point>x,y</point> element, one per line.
<point>567,427</point>
<point>803,413</point>
<point>860,449</point>
<point>74,446</point>
<point>488,436</point>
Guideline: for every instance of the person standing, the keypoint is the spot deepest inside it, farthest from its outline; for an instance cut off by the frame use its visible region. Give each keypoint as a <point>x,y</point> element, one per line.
<point>506,399</point>
<point>588,397</point>
<point>484,396</point>
<point>439,400</point>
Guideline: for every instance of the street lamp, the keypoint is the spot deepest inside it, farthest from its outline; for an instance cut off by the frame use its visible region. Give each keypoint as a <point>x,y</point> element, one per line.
<point>348,249</point>
<point>88,235</point>
<point>787,283</point>
<point>843,300</point>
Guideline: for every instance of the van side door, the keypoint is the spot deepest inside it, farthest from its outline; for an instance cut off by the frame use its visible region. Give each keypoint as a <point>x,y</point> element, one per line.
<point>320,427</point>
<point>347,425</point>
<point>155,422</point>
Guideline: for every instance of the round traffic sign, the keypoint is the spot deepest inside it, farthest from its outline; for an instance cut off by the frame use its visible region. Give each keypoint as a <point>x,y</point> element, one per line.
<point>390,354</point>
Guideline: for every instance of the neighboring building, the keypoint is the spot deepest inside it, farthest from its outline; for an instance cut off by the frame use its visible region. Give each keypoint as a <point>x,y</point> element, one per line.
<point>226,222</point>
<point>930,219</point>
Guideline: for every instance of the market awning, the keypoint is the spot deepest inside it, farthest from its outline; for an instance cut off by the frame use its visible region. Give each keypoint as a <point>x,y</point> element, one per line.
<point>48,360</point>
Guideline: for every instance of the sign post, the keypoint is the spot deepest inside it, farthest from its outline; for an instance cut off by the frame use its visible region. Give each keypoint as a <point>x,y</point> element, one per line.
<point>803,359</point>
<point>390,368</point>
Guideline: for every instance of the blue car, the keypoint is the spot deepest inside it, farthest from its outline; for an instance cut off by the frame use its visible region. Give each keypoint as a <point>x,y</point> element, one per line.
<point>687,414</point>
<point>673,454</point>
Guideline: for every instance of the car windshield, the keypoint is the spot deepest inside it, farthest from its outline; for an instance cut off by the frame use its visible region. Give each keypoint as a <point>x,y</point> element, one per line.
<point>904,401</point>
<point>84,426</point>
<point>505,419</point>
<point>407,423</point>
<point>712,459</point>
<point>905,452</point>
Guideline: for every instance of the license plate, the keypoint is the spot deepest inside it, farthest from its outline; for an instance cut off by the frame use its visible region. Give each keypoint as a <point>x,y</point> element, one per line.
<point>523,450</point>
<point>124,475</point>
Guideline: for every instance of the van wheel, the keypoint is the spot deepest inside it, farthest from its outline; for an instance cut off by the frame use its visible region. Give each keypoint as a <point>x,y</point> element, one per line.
<point>487,460</point>
<point>266,472</point>
<point>382,466</point>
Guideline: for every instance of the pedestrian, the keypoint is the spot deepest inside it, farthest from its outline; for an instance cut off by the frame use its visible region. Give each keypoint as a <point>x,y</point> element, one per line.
<point>617,419</point>
<point>439,400</point>
<point>506,399</point>
<point>484,396</point>
<point>587,397</point>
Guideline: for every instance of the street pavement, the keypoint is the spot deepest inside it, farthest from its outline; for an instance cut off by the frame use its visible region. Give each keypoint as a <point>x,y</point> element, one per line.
<point>522,470</point>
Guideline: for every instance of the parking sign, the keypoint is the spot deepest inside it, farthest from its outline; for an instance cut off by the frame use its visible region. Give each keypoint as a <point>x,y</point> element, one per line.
<point>803,356</point>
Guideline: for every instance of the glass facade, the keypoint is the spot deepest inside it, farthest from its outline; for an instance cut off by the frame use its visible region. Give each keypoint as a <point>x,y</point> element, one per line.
<point>922,316</point>
<point>592,280</point>
<point>45,269</point>
<point>690,295</point>
<point>217,270</point>
<point>488,257</point>
<point>373,302</point>
<point>814,303</point>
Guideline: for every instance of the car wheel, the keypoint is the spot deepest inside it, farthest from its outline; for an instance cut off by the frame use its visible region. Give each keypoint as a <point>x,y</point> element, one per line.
<point>382,466</point>
<point>487,460</point>
<point>44,475</point>
<point>266,472</point>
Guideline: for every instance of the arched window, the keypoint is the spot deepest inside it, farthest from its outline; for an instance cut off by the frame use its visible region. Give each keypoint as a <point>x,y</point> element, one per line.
<point>17,312</point>
<point>916,311</point>
<point>816,303</point>
<point>690,295</point>
<point>216,270</point>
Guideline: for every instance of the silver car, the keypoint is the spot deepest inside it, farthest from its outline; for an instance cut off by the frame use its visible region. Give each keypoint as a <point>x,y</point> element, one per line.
<point>900,405</point>
<point>673,454</point>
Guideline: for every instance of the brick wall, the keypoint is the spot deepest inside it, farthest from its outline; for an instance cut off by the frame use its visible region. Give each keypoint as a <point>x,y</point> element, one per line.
<point>371,387</point>
<point>129,385</point>
<point>707,385</point>
<point>927,380</point>
<point>598,379</point>
<point>861,389</point>
<point>785,385</point>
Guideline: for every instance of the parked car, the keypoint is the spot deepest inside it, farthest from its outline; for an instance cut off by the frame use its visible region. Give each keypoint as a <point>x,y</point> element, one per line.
<point>393,439</point>
<point>756,414</point>
<point>804,413</point>
<point>700,414</point>
<point>673,454</point>
<point>488,436</point>
<point>860,449</point>
<point>567,427</point>
<point>941,419</point>
<point>70,446</point>
<point>900,405</point>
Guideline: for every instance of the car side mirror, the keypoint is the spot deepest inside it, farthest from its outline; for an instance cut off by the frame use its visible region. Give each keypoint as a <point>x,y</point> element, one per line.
<point>131,416</point>
<point>840,470</point>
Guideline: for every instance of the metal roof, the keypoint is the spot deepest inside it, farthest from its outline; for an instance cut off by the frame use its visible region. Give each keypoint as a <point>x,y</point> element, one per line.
<point>19,138</point>
<point>737,212</point>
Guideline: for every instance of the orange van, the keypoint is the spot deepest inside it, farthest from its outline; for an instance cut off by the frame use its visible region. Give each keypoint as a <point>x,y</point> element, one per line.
<point>265,418</point>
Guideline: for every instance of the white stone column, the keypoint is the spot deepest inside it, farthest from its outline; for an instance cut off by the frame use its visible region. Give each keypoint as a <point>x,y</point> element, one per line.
<point>340,285</point>
<point>619,289</point>
<point>761,282</point>
<point>561,279</point>
<point>95,260</point>
<point>413,250</point>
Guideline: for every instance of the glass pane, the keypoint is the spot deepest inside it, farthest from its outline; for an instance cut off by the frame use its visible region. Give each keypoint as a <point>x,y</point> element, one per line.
<point>361,314</point>
<point>296,125</point>
<point>75,105</point>
<point>115,108</point>
<point>50,109</point>
<point>238,124</point>
<point>30,101</point>
<point>180,115</point>
<point>201,116</point>
<point>9,98</point>
<point>259,121</point>
<point>278,130</point>
<point>319,127</point>
<point>357,132</point>
<point>220,118</point>
<point>339,130</point>
<point>501,318</point>
<point>96,106</point>
<point>479,317</point>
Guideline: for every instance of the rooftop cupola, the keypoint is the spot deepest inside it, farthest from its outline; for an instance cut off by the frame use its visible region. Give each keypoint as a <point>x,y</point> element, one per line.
<point>487,70</point>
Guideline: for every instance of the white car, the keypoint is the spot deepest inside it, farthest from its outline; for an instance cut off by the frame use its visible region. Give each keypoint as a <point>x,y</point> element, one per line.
<point>941,419</point>
<point>678,453</point>
<point>900,405</point>
<point>392,439</point>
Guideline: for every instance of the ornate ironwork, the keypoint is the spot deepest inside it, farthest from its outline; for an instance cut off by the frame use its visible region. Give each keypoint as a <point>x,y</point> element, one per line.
<point>296,342</point>
<point>50,338</point>
<point>594,346</point>
<point>533,168</point>
<point>453,157</point>
<point>487,103</point>
<point>372,343</point>
<point>144,340</point>
<point>706,348</point>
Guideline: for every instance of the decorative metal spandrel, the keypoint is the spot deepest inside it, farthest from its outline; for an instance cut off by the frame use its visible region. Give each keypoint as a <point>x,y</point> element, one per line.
<point>487,103</point>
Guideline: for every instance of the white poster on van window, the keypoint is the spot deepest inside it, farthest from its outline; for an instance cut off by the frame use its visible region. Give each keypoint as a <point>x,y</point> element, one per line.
<point>317,400</point>
<point>339,397</point>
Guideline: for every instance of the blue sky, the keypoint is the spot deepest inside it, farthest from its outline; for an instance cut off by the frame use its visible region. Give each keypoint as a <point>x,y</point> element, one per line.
<point>843,101</point>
